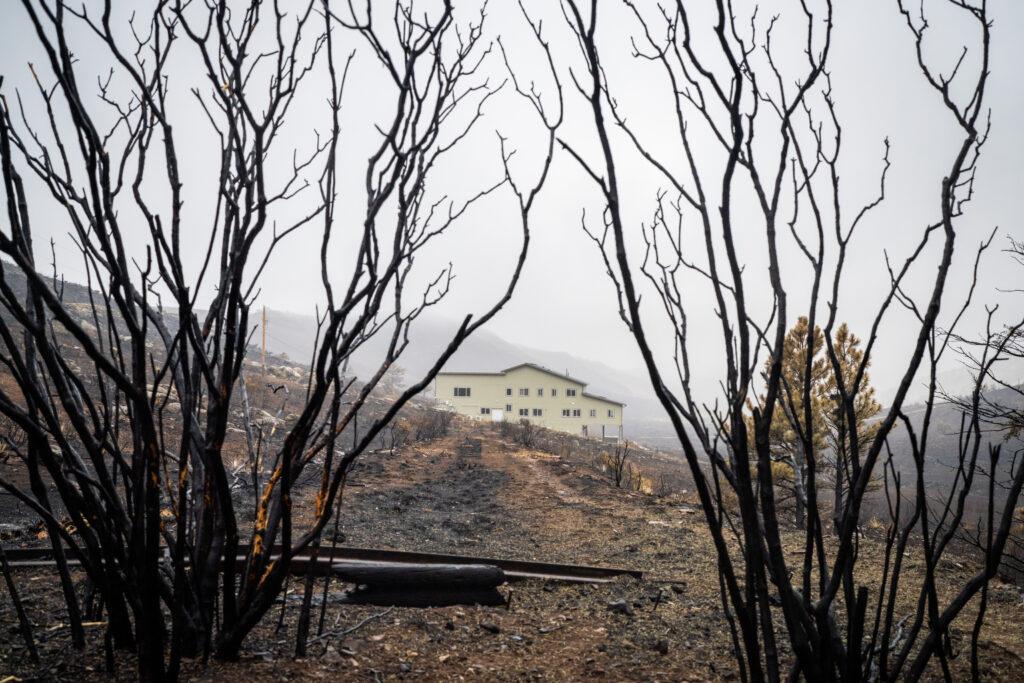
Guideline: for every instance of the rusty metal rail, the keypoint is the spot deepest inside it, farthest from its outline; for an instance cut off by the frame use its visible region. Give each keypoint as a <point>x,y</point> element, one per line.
<point>513,568</point>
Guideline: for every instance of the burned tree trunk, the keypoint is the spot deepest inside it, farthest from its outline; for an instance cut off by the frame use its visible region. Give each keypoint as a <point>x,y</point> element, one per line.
<point>766,111</point>
<point>414,576</point>
<point>134,429</point>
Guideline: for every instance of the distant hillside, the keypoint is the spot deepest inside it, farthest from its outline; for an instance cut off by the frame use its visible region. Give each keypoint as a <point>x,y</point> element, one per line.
<point>292,336</point>
<point>943,450</point>
<point>77,299</point>
<point>954,380</point>
<point>73,293</point>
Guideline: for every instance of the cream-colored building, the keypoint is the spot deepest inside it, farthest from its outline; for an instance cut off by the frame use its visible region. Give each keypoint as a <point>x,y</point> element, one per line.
<point>531,392</point>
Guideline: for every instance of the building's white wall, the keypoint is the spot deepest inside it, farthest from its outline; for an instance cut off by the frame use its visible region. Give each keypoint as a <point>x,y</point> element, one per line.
<point>545,392</point>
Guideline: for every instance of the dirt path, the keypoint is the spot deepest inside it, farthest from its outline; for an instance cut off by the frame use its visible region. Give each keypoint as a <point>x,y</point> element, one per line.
<point>475,493</point>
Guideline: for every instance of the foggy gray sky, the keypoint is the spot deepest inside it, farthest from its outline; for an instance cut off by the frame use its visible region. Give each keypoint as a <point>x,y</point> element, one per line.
<point>564,300</point>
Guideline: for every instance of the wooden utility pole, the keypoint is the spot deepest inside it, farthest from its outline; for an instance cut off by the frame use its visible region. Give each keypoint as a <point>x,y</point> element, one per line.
<point>263,348</point>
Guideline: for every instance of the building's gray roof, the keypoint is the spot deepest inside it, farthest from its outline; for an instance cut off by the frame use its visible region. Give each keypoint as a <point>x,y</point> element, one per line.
<point>603,398</point>
<point>542,369</point>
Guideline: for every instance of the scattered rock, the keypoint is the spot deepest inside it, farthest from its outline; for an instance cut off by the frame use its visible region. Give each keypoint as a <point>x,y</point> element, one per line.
<point>490,627</point>
<point>620,607</point>
<point>9,531</point>
<point>661,646</point>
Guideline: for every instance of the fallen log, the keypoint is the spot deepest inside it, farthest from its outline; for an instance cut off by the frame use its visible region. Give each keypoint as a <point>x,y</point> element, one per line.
<point>514,568</point>
<point>391,596</point>
<point>419,575</point>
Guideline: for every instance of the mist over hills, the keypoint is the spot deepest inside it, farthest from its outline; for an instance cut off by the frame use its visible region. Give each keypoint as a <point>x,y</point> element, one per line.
<point>944,448</point>
<point>644,418</point>
<point>294,334</point>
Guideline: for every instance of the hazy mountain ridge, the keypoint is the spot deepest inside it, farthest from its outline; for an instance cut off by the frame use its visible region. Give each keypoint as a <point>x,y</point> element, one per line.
<point>292,335</point>
<point>944,444</point>
<point>484,351</point>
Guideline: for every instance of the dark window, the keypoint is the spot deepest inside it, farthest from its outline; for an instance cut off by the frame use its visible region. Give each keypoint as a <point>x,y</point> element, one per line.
<point>485,411</point>
<point>508,391</point>
<point>462,391</point>
<point>565,412</point>
<point>537,412</point>
<point>576,412</point>
<point>508,407</point>
<point>570,392</point>
<point>611,413</point>
<point>524,412</point>
<point>554,392</point>
<point>593,413</point>
<point>540,392</point>
<point>524,392</point>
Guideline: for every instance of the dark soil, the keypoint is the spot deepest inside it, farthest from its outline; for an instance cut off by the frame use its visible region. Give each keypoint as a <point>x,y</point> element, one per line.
<point>476,493</point>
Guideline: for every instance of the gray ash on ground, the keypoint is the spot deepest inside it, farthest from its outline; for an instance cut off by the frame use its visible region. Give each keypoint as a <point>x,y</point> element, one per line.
<point>476,492</point>
<point>453,509</point>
